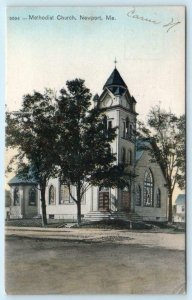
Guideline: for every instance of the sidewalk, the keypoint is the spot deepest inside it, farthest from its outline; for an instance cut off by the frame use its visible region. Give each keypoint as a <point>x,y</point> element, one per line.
<point>41,229</point>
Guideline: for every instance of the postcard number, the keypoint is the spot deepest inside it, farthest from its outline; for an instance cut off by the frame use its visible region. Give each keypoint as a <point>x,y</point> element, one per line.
<point>14,18</point>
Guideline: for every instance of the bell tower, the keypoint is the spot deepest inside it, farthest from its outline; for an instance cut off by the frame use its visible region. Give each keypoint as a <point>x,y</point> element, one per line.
<point>120,110</point>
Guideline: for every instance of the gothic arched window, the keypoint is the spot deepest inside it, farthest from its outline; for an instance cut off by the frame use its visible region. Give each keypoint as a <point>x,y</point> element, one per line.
<point>32,197</point>
<point>131,130</point>
<point>127,127</point>
<point>51,195</point>
<point>16,197</point>
<point>64,194</point>
<point>130,158</point>
<point>105,124</point>
<point>138,195</point>
<point>123,157</point>
<point>148,189</point>
<point>158,198</point>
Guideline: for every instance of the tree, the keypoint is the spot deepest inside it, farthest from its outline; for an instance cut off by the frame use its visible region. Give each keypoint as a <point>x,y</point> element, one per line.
<point>64,137</point>
<point>83,144</point>
<point>31,131</point>
<point>166,133</point>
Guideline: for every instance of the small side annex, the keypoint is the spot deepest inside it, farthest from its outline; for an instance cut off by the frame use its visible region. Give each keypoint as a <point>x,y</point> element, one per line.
<point>24,198</point>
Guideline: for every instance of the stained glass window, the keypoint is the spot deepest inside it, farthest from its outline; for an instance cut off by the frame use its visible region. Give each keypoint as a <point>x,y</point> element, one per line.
<point>32,197</point>
<point>148,189</point>
<point>51,195</point>
<point>64,194</point>
<point>16,197</point>
<point>123,155</point>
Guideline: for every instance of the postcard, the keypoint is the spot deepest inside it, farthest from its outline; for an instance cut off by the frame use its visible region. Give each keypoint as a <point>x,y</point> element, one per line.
<point>95,159</point>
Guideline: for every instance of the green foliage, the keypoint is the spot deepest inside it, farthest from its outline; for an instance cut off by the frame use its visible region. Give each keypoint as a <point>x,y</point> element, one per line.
<point>83,144</point>
<point>31,132</point>
<point>166,133</point>
<point>64,137</point>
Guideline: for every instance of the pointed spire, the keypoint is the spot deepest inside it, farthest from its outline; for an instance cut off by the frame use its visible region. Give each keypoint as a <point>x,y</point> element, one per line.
<point>115,79</point>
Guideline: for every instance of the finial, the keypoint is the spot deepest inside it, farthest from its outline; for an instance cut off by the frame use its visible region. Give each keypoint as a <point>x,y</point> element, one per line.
<point>115,62</point>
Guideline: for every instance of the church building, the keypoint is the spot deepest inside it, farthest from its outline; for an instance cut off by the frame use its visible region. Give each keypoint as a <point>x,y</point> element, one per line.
<point>144,199</point>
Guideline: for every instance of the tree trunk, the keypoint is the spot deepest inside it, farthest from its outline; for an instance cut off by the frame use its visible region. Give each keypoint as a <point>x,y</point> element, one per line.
<point>78,205</point>
<point>78,213</point>
<point>170,215</point>
<point>43,206</point>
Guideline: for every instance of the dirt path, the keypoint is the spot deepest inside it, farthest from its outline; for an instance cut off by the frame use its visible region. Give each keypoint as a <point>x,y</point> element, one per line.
<point>166,240</point>
<point>94,261</point>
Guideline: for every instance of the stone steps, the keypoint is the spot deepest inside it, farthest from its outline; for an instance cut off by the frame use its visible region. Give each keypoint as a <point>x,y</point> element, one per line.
<point>111,215</point>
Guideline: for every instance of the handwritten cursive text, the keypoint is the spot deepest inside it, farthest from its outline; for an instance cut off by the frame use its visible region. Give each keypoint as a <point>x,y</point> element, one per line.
<point>132,14</point>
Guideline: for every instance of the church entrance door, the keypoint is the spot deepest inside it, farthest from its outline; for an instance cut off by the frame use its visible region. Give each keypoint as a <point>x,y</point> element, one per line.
<point>103,204</point>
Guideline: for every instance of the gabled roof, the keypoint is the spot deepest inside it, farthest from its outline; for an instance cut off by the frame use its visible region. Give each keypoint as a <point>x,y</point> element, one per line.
<point>141,146</point>
<point>139,153</point>
<point>115,79</point>
<point>17,180</point>
<point>180,199</point>
<point>146,144</point>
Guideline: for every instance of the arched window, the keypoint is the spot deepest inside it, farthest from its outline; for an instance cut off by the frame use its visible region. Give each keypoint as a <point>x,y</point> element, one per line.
<point>124,129</point>
<point>138,195</point>
<point>130,158</point>
<point>64,194</point>
<point>32,197</point>
<point>131,130</point>
<point>148,189</point>
<point>127,127</point>
<point>123,157</point>
<point>105,124</point>
<point>16,197</point>
<point>109,124</point>
<point>158,198</point>
<point>51,195</point>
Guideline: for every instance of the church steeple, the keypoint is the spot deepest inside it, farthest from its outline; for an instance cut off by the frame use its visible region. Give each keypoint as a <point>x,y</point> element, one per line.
<point>116,84</point>
<point>116,80</point>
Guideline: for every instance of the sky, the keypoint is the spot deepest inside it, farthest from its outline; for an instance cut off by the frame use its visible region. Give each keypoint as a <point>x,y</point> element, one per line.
<point>47,53</point>
<point>150,52</point>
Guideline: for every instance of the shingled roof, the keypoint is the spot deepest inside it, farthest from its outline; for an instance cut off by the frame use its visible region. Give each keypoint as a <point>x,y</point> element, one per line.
<point>141,146</point>
<point>115,79</point>
<point>17,180</point>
